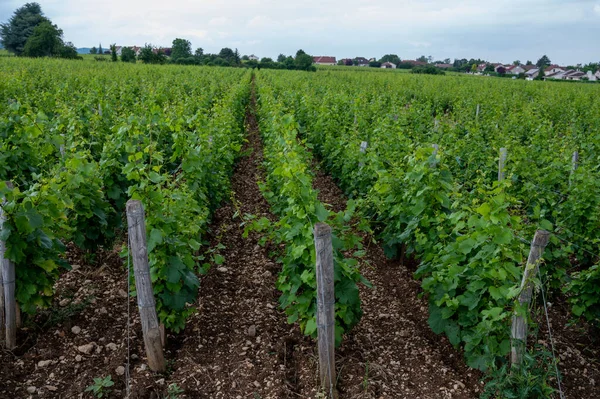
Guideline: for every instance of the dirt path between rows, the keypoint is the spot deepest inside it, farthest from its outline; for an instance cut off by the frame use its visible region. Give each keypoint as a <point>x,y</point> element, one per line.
<point>242,346</point>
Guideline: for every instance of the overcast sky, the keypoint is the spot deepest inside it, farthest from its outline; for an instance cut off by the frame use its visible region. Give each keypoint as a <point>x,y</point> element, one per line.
<point>568,31</point>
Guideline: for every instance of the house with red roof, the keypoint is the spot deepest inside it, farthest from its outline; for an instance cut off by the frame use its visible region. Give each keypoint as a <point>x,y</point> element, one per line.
<point>324,60</point>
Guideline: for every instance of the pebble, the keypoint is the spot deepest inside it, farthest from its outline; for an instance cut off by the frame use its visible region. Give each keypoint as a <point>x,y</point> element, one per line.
<point>120,370</point>
<point>161,381</point>
<point>31,389</point>
<point>44,363</point>
<point>122,293</point>
<point>76,330</point>
<point>87,349</point>
<point>112,346</point>
<point>75,267</point>
<point>51,388</point>
<point>251,331</point>
<point>257,384</point>
<point>78,358</point>
<point>222,269</point>
<point>64,302</point>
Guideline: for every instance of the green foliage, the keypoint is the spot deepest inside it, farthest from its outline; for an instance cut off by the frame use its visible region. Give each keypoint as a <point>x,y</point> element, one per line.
<point>174,391</point>
<point>31,242</point>
<point>152,55</point>
<point>100,387</point>
<point>181,49</point>
<point>393,58</point>
<point>113,52</point>
<point>449,212</point>
<point>15,33</point>
<point>531,381</point>
<point>429,70</point>
<point>45,41</point>
<point>93,50</point>
<point>289,190</point>
<point>84,139</point>
<point>584,294</point>
<point>128,55</point>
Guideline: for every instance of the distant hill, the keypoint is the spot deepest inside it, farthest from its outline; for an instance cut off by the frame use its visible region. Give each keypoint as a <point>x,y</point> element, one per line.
<point>83,50</point>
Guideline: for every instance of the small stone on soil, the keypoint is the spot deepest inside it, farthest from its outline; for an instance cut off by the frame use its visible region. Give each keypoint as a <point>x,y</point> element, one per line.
<point>76,330</point>
<point>31,389</point>
<point>120,370</point>
<point>87,349</point>
<point>251,331</point>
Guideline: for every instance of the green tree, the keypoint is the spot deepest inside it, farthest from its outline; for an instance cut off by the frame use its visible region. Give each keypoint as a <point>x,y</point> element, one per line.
<point>529,63</point>
<point>100,51</point>
<point>447,61</point>
<point>46,41</point>
<point>393,58</point>
<point>422,59</point>
<point>151,55</point>
<point>544,61</point>
<point>113,52</point>
<point>281,58</point>
<point>474,68</point>
<point>127,54</point>
<point>68,50</point>
<point>303,61</point>
<point>517,62</point>
<point>15,33</point>
<point>181,49</point>
<point>245,58</point>
<point>93,50</point>
<point>199,53</point>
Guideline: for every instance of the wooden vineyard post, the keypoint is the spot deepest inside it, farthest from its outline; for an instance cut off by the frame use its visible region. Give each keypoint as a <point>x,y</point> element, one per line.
<point>436,148</point>
<point>8,288</point>
<point>575,164</point>
<point>325,308</point>
<point>502,163</point>
<point>363,149</point>
<point>519,320</point>
<point>145,296</point>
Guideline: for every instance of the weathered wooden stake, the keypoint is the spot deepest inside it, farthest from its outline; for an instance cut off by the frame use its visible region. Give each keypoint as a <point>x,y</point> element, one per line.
<point>143,284</point>
<point>575,165</point>
<point>363,149</point>
<point>519,320</point>
<point>502,163</point>
<point>8,283</point>
<point>436,148</point>
<point>477,112</point>
<point>363,146</point>
<point>325,308</point>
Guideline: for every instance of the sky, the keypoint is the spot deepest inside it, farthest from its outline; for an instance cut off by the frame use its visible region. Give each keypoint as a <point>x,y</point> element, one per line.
<point>568,31</point>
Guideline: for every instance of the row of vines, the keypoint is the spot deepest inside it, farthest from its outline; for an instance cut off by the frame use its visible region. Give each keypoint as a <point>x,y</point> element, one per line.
<point>78,141</point>
<point>446,208</point>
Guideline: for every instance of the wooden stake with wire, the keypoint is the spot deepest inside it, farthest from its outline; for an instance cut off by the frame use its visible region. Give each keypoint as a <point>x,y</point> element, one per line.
<point>519,320</point>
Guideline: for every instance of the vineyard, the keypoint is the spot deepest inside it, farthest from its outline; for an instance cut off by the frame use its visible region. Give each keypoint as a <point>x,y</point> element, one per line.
<point>433,186</point>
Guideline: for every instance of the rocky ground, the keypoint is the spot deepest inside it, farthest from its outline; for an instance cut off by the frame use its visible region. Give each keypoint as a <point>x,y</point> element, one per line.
<point>238,343</point>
